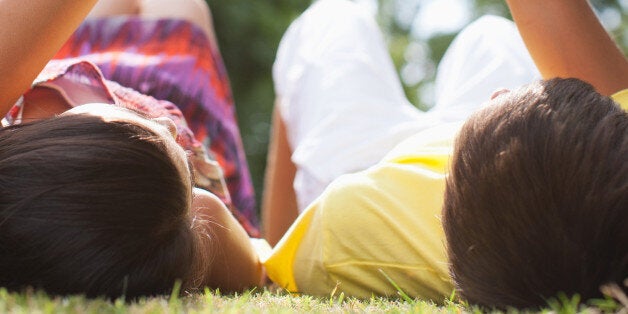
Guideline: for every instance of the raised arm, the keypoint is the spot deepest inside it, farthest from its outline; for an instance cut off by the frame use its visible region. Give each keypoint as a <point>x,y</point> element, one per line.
<point>31,32</point>
<point>566,39</point>
<point>279,203</point>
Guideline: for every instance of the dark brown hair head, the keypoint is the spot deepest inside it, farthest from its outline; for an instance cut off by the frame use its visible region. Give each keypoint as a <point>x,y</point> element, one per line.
<point>91,207</point>
<point>537,198</point>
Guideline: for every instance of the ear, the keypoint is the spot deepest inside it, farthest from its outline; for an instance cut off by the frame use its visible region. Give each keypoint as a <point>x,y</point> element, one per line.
<point>498,92</point>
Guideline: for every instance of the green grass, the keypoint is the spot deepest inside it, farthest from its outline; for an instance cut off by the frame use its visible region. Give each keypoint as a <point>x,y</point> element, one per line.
<point>263,301</point>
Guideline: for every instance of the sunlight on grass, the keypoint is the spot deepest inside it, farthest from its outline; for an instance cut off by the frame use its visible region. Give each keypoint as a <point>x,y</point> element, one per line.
<point>265,301</point>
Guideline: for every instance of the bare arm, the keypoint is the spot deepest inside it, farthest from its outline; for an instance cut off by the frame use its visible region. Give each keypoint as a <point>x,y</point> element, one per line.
<point>233,263</point>
<point>279,205</point>
<point>566,39</point>
<point>31,32</point>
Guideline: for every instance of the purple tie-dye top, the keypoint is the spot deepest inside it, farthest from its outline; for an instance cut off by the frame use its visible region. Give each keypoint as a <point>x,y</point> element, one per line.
<point>172,61</point>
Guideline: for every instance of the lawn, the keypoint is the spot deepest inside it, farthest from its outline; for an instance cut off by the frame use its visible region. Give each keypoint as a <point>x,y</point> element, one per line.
<point>264,300</point>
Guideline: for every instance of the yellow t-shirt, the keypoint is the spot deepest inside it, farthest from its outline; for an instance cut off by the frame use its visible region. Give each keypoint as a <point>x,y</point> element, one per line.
<point>621,98</point>
<point>378,223</point>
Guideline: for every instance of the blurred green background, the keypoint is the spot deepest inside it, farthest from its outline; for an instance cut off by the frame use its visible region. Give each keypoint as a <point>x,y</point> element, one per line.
<point>249,32</point>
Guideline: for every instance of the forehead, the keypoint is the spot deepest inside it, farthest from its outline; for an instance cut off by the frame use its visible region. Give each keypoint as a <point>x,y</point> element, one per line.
<point>114,113</point>
<point>106,111</point>
<point>110,113</point>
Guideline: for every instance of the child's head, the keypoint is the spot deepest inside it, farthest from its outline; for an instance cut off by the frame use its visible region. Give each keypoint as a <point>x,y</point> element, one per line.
<point>537,199</point>
<point>93,206</point>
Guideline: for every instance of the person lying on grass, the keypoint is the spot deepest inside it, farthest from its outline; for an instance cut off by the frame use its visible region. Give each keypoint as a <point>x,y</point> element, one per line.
<point>104,190</point>
<point>508,202</point>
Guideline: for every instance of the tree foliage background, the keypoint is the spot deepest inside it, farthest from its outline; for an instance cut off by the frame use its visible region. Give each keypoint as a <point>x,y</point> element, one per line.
<point>249,32</point>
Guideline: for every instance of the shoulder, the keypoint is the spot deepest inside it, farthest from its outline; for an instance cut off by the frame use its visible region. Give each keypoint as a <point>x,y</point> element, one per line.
<point>385,220</point>
<point>385,202</point>
<point>621,98</point>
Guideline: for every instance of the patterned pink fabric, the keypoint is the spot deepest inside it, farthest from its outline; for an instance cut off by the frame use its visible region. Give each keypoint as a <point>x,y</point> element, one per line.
<point>128,58</point>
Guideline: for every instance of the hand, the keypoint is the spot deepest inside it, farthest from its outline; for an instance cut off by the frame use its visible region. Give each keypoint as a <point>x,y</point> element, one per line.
<point>566,39</point>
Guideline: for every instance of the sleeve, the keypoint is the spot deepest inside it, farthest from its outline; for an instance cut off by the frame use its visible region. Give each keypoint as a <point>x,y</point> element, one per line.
<point>279,265</point>
<point>621,98</point>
